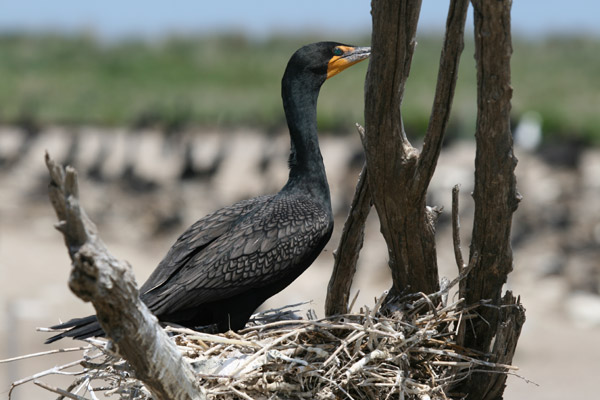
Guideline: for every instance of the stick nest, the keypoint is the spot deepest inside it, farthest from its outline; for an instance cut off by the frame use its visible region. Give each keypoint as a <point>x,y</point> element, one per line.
<point>408,353</point>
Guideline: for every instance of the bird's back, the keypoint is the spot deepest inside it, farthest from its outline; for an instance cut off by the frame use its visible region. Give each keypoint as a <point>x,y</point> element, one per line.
<point>222,268</point>
<point>228,263</point>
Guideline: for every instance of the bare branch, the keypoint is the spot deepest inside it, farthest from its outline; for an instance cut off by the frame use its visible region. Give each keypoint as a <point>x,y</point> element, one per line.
<point>460,263</point>
<point>61,392</point>
<point>109,284</point>
<point>346,255</point>
<point>444,91</point>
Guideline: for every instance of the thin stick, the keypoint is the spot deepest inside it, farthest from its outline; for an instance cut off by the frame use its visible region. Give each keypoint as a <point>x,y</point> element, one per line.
<point>206,337</point>
<point>344,344</point>
<point>461,357</point>
<point>44,353</point>
<point>336,385</point>
<point>62,392</point>
<point>353,301</point>
<point>53,370</point>
<point>241,394</point>
<point>261,352</point>
<point>456,230</point>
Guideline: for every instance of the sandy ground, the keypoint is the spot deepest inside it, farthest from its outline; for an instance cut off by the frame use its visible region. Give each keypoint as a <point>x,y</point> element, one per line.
<point>558,354</point>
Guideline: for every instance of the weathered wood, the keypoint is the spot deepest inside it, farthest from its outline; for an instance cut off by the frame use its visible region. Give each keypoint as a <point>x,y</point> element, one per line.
<point>109,284</point>
<point>398,174</point>
<point>346,254</point>
<point>496,199</point>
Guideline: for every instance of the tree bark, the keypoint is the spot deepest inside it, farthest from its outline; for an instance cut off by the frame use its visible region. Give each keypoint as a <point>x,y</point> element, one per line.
<point>109,284</point>
<point>496,199</point>
<point>399,174</point>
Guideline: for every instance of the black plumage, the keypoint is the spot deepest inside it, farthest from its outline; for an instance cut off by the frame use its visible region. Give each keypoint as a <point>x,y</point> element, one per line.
<point>228,263</point>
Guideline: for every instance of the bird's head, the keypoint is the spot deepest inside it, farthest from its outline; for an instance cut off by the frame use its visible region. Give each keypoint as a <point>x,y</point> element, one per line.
<point>322,60</point>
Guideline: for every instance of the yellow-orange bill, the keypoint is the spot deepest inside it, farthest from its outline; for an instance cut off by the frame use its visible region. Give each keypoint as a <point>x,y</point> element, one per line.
<point>350,56</point>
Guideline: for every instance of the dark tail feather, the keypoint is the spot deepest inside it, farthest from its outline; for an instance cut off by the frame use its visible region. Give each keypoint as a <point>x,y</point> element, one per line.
<point>81,328</point>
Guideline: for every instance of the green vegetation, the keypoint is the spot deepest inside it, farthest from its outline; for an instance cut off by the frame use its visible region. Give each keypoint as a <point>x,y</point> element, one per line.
<point>232,80</point>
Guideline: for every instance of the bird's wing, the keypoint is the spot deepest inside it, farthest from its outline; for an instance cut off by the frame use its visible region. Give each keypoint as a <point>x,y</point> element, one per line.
<point>196,238</point>
<point>272,246</point>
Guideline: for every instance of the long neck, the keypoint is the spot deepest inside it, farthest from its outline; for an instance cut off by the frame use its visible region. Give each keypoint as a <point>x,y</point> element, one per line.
<point>306,163</point>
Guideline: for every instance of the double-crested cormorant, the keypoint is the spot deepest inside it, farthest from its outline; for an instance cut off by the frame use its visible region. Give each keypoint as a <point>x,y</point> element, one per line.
<point>228,263</point>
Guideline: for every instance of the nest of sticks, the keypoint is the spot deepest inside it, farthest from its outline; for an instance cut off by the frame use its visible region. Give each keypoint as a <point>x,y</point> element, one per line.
<point>379,352</point>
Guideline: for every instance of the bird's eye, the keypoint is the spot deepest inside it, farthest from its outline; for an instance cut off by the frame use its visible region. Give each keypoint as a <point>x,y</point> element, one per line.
<point>338,52</point>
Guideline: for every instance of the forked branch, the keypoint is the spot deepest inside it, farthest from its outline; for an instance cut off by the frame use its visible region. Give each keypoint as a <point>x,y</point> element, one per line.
<point>399,174</point>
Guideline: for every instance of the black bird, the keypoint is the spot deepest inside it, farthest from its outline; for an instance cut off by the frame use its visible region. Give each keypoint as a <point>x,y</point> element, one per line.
<point>228,263</point>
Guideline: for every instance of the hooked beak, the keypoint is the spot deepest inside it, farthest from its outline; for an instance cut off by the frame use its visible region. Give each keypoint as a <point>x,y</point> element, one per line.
<point>351,56</point>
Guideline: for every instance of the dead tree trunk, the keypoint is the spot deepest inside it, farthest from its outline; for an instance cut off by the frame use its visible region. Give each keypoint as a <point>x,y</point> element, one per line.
<point>496,199</point>
<point>398,173</point>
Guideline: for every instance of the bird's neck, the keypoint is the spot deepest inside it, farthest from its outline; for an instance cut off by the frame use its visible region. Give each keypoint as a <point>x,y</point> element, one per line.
<point>306,163</point>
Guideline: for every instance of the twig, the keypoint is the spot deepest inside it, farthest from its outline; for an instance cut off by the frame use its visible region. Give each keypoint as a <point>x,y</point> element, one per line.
<point>207,337</point>
<point>351,306</point>
<point>91,390</point>
<point>461,357</point>
<point>456,230</point>
<point>378,303</point>
<point>341,389</point>
<point>44,353</point>
<point>374,355</point>
<point>345,343</point>
<point>53,370</point>
<point>241,394</point>
<point>56,390</point>
<point>431,305</point>
<point>261,352</point>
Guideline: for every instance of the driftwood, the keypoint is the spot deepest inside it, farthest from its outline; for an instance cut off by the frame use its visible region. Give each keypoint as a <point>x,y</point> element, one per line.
<point>109,284</point>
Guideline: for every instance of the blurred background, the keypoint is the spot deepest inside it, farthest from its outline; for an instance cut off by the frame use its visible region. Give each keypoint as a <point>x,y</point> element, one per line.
<point>171,110</point>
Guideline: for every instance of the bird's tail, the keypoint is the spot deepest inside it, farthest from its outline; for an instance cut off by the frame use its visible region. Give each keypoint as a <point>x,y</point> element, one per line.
<point>81,328</point>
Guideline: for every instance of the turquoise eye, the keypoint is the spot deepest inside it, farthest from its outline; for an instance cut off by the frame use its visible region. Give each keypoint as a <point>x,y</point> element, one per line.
<point>338,52</point>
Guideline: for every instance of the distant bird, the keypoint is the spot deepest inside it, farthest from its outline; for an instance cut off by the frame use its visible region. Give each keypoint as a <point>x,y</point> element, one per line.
<point>228,263</point>
<point>528,133</point>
